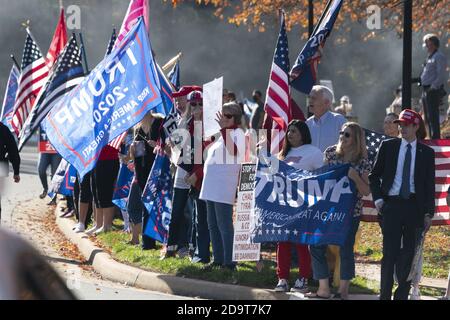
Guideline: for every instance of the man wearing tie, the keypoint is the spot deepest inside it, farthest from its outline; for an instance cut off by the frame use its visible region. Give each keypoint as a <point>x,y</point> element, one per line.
<point>403,188</point>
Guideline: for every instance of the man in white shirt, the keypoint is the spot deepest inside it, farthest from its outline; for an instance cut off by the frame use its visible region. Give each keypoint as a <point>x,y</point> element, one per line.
<point>324,125</point>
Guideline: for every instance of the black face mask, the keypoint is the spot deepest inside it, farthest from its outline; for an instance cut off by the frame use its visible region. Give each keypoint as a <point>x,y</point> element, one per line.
<point>255,98</point>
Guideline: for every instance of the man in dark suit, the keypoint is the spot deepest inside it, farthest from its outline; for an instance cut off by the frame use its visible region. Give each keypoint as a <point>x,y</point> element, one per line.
<point>403,188</point>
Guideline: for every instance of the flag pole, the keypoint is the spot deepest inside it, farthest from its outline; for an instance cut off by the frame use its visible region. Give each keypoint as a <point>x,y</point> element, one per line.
<point>322,16</point>
<point>83,52</point>
<point>15,61</point>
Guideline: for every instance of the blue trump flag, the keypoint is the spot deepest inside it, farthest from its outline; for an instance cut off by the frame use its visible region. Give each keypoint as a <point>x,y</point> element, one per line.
<point>166,94</point>
<point>300,206</point>
<point>70,176</point>
<point>157,199</point>
<point>303,74</point>
<point>10,97</point>
<point>114,97</point>
<point>122,187</point>
<point>63,180</point>
<point>174,76</point>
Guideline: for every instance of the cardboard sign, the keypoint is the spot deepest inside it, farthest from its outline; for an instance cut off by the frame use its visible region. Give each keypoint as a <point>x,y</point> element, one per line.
<point>243,249</point>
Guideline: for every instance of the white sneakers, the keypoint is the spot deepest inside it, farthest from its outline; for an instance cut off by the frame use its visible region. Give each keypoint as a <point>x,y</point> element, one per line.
<point>91,230</point>
<point>301,285</point>
<point>282,286</point>
<point>79,227</point>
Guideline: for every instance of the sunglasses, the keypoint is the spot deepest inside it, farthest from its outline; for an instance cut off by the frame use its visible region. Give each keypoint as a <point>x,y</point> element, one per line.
<point>195,104</point>
<point>228,116</point>
<point>345,134</point>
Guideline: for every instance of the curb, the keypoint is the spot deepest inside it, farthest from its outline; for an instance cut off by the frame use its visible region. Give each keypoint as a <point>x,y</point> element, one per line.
<point>169,284</point>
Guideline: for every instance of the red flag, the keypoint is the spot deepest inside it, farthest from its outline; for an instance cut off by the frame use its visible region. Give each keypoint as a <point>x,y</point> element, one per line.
<point>59,41</point>
<point>136,9</point>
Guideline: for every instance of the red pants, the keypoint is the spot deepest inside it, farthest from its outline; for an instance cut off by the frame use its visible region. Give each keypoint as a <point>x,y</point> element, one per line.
<point>284,260</point>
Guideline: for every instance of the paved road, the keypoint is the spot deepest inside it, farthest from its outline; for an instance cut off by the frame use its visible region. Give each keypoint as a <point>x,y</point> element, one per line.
<point>27,215</point>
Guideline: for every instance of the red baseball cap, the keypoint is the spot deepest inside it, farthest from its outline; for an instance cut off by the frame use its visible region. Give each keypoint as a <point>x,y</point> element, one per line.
<point>185,90</point>
<point>195,96</point>
<point>409,116</point>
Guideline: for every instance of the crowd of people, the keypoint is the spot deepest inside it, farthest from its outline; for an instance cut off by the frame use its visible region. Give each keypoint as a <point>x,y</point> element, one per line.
<point>204,193</point>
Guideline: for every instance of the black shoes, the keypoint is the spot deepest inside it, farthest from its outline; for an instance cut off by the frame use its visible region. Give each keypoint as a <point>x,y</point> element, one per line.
<point>43,194</point>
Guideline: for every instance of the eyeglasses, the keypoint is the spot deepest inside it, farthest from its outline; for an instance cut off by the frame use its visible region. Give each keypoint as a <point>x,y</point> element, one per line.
<point>228,116</point>
<point>345,134</point>
<point>195,104</point>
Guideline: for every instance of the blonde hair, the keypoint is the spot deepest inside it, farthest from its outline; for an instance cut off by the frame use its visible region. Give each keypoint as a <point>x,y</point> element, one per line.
<point>154,115</point>
<point>358,137</point>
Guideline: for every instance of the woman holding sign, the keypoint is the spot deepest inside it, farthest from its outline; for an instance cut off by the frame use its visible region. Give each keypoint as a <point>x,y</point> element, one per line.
<point>351,148</point>
<point>300,153</point>
<point>220,180</point>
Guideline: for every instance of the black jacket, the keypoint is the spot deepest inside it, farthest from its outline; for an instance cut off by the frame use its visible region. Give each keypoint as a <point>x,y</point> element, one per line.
<point>383,174</point>
<point>8,147</point>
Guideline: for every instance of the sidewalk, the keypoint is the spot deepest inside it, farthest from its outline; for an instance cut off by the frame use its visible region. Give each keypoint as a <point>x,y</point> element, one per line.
<point>372,271</point>
<point>110,269</point>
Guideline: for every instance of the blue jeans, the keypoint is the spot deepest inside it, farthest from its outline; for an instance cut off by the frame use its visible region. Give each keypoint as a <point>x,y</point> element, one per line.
<point>46,160</point>
<point>319,260</point>
<point>220,223</point>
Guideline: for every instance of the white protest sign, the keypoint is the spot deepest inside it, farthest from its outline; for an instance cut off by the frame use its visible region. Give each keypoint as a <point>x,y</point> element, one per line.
<point>243,249</point>
<point>212,103</point>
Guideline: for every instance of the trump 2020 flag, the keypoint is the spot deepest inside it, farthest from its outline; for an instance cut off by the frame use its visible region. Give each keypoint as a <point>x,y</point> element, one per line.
<point>70,176</point>
<point>122,187</point>
<point>157,199</point>
<point>304,72</point>
<point>10,97</point>
<point>300,206</point>
<point>63,180</point>
<point>114,97</point>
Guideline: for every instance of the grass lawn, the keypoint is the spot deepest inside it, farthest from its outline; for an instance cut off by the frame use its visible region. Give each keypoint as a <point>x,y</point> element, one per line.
<point>436,249</point>
<point>247,274</point>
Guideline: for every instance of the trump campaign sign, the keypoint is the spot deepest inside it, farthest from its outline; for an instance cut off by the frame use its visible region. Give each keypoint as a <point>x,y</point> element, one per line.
<point>300,206</point>
<point>114,97</point>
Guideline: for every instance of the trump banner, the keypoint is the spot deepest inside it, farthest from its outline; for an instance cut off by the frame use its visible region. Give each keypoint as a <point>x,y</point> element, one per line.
<point>63,180</point>
<point>157,199</point>
<point>114,97</point>
<point>302,207</point>
<point>122,187</point>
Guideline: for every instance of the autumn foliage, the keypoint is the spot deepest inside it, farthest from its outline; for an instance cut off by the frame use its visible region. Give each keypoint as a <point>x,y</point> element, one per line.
<point>428,15</point>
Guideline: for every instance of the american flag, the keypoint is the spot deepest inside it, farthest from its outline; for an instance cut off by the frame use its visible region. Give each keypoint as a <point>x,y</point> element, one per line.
<point>278,92</point>
<point>442,165</point>
<point>33,77</point>
<point>111,42</point>
<point>66,74</point>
